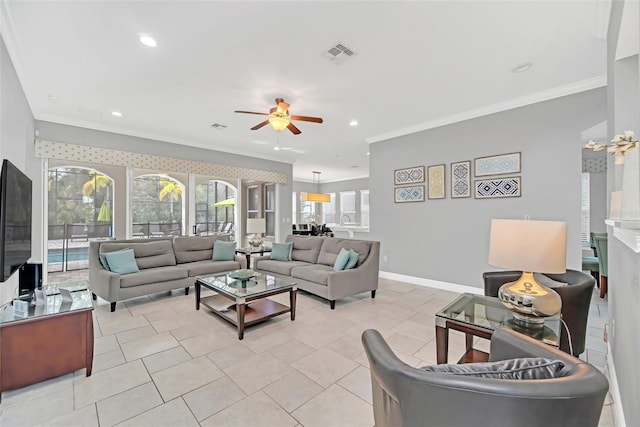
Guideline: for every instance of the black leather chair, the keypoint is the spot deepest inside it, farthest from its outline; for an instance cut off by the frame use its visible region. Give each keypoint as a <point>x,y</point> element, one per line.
<point>408,396</point>
<point>576,298</point>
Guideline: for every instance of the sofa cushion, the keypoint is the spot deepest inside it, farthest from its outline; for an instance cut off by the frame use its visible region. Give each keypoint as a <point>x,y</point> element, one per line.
<point>278,267</point>
<point>153,253</point>
<point>281,251</point>
<point>199,268</point>
<point>341,260</point>
<point>353,259</point>
<point>526,368</point>
<point>153,275</point>
<point>316,273</point>
<point>306,248</point>
<point>331,247</point>
<point>224,251</point>
<point>195,248</point>
<point>122,261</point>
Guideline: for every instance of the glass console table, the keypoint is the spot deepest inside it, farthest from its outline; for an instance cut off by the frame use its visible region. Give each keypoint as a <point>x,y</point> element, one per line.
<point>479,316</point>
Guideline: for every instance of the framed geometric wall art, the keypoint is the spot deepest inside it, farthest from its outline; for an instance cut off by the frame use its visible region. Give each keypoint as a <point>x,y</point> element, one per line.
<point>497,188</point>
<point>461,179</point>
<point>409,194</point>
<point>436,182</point>
<point>497,165</point>
<point>412,175</point>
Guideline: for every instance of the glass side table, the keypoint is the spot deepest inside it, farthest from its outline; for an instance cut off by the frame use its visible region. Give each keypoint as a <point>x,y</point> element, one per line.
<point>479,316</point>
<point>249,250</point>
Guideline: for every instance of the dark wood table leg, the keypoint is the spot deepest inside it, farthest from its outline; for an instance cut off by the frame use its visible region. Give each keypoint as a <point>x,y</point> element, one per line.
<point>469,341</point>
<point>292,303</point>
<point>89,349</point>
<point>197,295</point>
<point>240,310</point>
<point>442,344</point>
<point>248,260</point>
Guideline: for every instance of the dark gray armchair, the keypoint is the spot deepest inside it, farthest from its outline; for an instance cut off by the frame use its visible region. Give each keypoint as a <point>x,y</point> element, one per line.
<point>575,296</point>
<point>408,396</point>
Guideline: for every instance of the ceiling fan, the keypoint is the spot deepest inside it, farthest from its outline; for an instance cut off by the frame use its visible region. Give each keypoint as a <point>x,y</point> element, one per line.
<point>281,119</point>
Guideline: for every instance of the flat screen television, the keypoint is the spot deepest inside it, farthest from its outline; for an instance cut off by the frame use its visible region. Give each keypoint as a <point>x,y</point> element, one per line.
<point>15,219</point>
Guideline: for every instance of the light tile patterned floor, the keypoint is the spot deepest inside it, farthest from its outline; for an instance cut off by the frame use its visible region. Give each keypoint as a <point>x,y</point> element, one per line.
<point>159,362</point>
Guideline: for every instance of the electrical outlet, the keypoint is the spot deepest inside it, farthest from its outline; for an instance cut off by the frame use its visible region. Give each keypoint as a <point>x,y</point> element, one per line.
<point>384,258</point>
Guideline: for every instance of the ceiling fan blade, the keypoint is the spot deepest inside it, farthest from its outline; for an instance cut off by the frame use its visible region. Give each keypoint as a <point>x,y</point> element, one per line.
<point>307,119</point>
<point>293,128</point>
<point>259,125</point>
<point>251,112</point>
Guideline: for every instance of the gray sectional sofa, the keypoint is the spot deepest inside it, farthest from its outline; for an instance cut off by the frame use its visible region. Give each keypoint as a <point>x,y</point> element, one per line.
<point>311,266</point>
<point>164,263</point>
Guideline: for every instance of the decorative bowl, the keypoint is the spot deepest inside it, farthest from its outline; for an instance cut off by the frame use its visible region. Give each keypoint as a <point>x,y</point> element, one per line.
<point>242,274</point>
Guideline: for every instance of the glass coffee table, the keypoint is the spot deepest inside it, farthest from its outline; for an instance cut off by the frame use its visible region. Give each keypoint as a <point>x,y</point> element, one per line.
<point>479,316</point>
<point>241,297</point>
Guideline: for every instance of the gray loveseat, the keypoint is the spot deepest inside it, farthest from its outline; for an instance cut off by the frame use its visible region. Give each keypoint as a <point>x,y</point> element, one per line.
<point>311,266</point>
<point>165,264</point>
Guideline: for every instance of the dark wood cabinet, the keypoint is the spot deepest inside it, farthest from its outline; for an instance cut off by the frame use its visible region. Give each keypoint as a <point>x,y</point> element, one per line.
<point>46,345</point>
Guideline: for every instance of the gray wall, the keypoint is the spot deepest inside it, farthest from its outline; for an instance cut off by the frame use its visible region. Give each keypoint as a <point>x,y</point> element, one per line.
<point>95,138</point>
<point>624,263</point>
<point>435,238</point>
<point>16,144</point>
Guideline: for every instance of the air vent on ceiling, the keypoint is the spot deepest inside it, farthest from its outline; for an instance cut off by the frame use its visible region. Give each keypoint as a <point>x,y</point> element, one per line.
<point>338,54</point>
<point>218,126</point>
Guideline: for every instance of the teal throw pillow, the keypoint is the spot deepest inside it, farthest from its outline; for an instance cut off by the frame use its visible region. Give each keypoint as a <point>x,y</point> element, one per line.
<point>224,251</point>
<point>341,260</point>
<point>353,259</point>
<point>281,251</point>
<point>123,262</point>
<point>103,261</point>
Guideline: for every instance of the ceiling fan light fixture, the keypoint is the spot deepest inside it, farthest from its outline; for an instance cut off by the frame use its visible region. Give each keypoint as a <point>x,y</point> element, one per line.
<point>279,123</point>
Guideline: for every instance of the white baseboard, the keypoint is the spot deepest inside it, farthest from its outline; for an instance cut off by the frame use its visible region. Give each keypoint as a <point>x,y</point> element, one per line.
<point>420,281</point>
<point>618,413</point>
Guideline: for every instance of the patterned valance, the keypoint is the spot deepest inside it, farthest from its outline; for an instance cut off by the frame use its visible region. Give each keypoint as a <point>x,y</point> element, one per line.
<point>83,153</point>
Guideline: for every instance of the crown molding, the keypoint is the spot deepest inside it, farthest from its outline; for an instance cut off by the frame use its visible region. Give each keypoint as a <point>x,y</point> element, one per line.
<point>533,98</point>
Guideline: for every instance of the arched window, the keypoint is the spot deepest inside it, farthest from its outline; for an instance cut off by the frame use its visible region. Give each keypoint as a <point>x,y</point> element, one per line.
<point>80,208</point>
<point>215,202</point>
<point>156,206</point>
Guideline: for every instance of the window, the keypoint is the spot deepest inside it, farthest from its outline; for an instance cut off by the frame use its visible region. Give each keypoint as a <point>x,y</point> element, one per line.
<point>364,208</point>
<point>329,210</point>
<point>347,206</point>
<point>253,202</point>
<point>270,209</point>
<point>307,212</point>
<point>586,213</point>
<point>209,217</point>
<point>294,206</point>
<point>156,206</point>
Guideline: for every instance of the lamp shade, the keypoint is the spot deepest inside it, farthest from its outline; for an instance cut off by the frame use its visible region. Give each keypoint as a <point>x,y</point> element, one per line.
<point>533,246</point>
<point>256,226</point>
<point>316,197</point>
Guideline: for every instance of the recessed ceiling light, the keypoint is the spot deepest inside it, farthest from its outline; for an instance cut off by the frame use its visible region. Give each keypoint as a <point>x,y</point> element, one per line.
<point>353,123</point>
<point>148,41</point>
<point>276,148</point>
<point>368,153</point>
<point>522,67</point>
<point>116,113</point>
